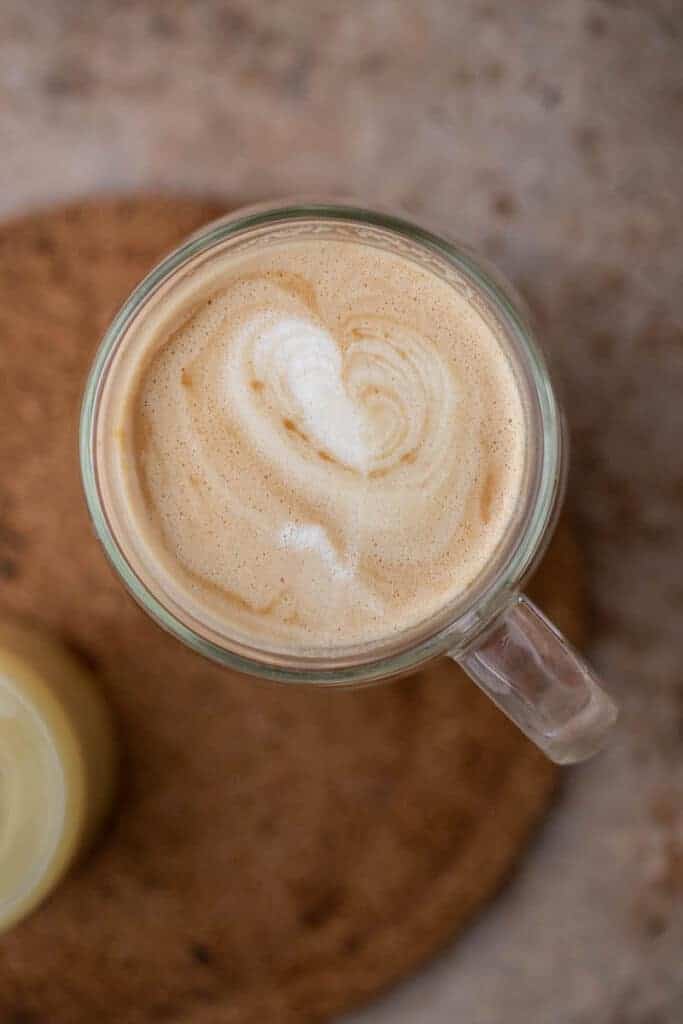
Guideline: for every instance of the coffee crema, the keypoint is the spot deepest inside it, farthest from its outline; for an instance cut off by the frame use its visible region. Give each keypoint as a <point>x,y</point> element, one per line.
<point>321,443</point>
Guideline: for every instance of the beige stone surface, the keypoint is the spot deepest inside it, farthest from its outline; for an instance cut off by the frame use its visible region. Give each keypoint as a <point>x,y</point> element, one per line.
<point>550,136</point>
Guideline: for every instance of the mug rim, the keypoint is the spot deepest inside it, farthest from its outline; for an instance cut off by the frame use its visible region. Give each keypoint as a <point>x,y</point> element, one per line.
<point>455,626</point>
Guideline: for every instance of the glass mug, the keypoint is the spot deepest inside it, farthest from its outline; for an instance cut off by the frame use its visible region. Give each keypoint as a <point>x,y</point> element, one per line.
<point>495,633</point>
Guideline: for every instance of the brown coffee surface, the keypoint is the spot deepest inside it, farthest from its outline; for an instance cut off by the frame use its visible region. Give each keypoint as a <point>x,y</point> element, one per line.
<point>318,442</point>
<point>278,854</point>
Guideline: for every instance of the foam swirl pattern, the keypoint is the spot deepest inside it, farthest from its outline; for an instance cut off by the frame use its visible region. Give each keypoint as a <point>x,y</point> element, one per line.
<point>324,445</point>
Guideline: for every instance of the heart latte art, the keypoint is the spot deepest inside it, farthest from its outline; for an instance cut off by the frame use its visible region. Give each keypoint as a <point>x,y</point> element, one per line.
<point>321,444</point>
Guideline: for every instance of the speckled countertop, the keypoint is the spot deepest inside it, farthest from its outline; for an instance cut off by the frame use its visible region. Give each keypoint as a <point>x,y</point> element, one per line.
<point>551,137</point>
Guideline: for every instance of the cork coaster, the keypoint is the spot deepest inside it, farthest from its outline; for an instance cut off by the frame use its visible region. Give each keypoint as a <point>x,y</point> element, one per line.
<point>279,854</point>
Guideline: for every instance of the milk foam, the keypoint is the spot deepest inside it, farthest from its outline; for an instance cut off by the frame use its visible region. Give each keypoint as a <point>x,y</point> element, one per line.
<point>323,443</point>
<point>303,365</point>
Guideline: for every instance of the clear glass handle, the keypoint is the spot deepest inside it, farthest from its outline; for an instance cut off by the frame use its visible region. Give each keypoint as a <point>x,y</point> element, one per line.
<point>533,674</point>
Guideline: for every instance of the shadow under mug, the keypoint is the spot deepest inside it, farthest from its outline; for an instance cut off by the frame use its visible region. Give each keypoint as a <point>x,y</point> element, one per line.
<point>493,631</point>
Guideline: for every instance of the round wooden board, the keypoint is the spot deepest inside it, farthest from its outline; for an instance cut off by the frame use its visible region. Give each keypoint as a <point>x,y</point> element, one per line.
<point>278,854</point>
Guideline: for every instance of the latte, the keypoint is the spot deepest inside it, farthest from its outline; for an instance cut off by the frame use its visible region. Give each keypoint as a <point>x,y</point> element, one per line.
<point>319,443</point>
